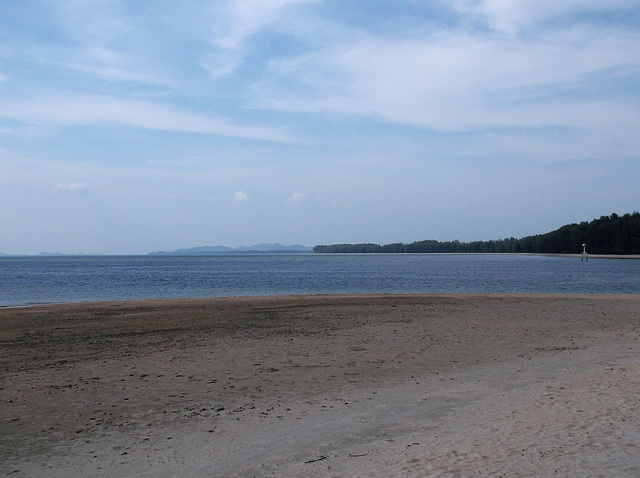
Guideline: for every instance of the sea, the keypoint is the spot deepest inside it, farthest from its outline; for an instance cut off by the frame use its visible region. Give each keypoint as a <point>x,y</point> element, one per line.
<point>42,280</point>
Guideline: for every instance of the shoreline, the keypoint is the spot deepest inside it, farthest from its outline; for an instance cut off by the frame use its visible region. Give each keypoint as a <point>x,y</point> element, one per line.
<point>591,256</point>
<point>323,385</point>
<point>364,295</point>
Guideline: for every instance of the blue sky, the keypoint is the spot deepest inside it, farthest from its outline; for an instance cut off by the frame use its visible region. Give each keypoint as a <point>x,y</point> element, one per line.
<point>131,126</point>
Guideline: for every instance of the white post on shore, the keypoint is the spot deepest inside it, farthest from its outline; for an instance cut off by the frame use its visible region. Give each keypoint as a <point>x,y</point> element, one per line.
<point>585,256</point>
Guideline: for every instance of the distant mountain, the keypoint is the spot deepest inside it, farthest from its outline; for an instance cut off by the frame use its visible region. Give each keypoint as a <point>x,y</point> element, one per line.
<point>273,248</point>
<point>199,250</point>
<point>255,249</point>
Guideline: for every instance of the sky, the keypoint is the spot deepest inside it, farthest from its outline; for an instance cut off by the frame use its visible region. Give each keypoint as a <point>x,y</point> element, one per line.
<point>135,126</point>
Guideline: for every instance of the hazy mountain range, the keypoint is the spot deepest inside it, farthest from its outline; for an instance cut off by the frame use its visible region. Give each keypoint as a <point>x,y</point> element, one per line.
<point>208,250</point>
<point>256,248</point>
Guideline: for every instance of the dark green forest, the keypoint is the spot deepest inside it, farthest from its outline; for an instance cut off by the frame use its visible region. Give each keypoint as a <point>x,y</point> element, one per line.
<point>607,235</point>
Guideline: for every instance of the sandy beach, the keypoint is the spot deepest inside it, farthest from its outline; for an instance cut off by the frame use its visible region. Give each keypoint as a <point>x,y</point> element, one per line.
<point>335,386</point>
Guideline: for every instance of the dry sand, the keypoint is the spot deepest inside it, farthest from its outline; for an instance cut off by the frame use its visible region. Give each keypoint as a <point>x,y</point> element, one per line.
<point>336,386</point>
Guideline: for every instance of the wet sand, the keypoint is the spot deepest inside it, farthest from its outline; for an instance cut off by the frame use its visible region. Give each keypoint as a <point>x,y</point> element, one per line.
<point>371,385</point>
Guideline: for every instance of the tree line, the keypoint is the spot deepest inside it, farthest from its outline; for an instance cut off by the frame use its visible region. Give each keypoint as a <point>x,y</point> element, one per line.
<point>607,235</point>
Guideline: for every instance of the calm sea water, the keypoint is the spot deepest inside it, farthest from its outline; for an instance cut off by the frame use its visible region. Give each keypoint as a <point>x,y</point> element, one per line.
<point>34,280</point>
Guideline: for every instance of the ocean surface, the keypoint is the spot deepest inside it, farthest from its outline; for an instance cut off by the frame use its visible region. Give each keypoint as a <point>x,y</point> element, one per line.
<point>41,280</point>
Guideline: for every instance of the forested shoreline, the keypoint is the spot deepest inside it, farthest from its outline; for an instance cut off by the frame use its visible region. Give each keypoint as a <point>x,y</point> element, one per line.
<point>607,235</point>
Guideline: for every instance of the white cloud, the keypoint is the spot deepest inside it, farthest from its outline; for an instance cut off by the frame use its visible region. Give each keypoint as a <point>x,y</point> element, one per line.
<point>455,81</point>
<point>240,196</point>
<point>296,198</point>
<point>72,188</point>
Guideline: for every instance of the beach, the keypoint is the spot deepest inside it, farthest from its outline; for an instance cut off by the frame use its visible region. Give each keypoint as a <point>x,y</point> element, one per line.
<point>323,385</point>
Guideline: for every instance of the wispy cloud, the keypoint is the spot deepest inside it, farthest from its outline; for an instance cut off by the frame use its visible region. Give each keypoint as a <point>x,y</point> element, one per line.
<point>233,23</point>
<point>104,40</point>
<point>74,110</point>
<point>513,17</point>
